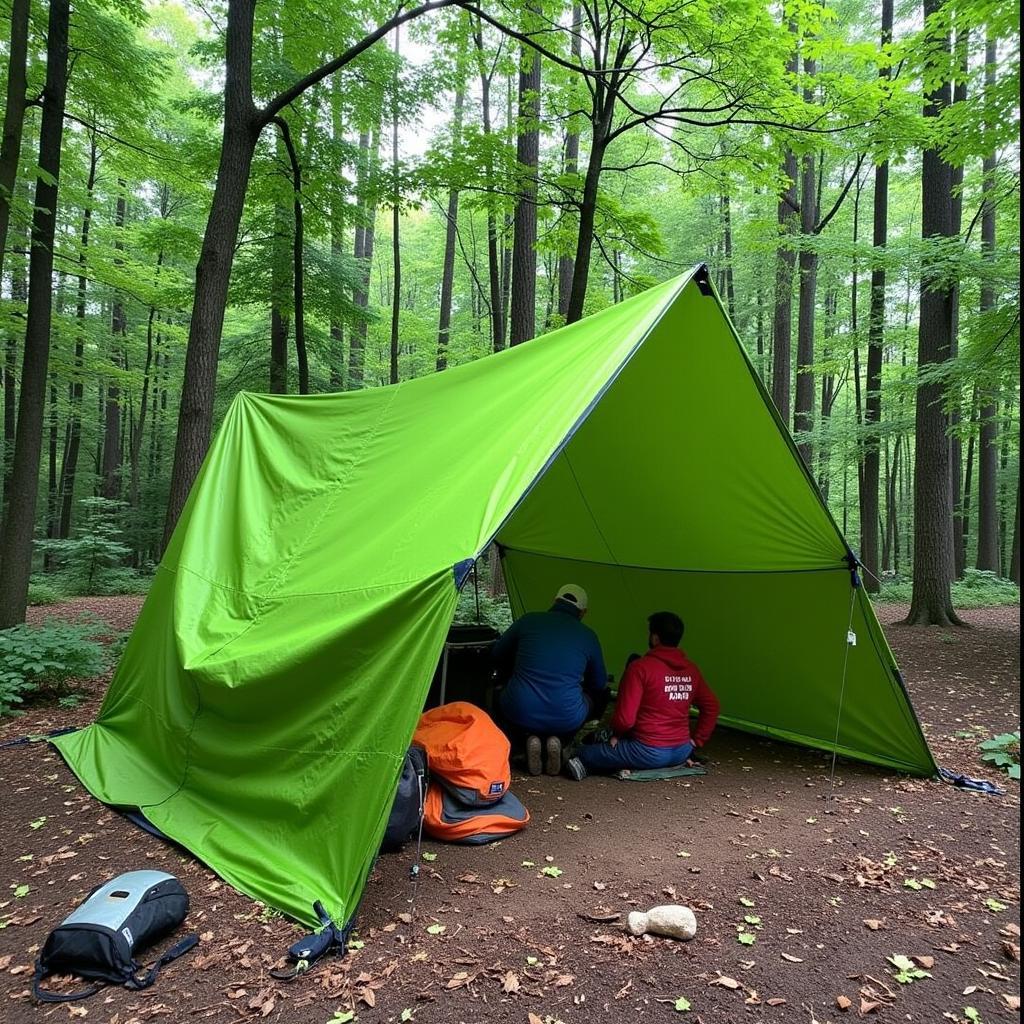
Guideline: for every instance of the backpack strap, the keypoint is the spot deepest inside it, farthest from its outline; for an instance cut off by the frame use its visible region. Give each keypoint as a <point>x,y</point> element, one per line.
<point>58,997</point>
<point>178,949</point>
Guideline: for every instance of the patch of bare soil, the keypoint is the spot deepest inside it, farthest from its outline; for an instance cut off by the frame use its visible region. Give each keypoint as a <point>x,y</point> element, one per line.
<point>896,867</point>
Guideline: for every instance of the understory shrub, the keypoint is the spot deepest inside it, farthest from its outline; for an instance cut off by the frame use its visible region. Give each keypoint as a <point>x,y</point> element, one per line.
<point>42,591</point>
<point>977,589</point>
<point>93,562</point>
<point>494,611</point>
<point>1004,752</point>
<point>44,659</point>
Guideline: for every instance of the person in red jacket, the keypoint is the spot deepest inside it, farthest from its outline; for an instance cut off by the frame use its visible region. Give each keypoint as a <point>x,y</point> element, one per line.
<point>651,724</point>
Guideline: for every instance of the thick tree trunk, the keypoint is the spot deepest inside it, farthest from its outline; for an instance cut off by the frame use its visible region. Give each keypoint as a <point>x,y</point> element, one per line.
<point>298,261</point>
<point>988,445</point>
<point>213,272</point>
<point>933,509</point>
<point>588,217</point>
<point>14,115</point>
<point>19,524</point>
<point>19,294</point>
<point>523,318</point>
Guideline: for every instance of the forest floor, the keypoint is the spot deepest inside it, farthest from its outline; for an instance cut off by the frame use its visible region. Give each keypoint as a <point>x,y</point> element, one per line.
<point>824,894</point>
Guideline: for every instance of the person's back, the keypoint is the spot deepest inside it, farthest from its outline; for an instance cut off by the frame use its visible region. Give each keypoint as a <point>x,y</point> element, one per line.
<point>651,723</point>
<point>656,696</point>
<point>554,653</point>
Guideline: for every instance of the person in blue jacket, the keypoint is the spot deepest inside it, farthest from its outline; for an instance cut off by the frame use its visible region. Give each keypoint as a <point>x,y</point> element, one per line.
<point>556,678</point>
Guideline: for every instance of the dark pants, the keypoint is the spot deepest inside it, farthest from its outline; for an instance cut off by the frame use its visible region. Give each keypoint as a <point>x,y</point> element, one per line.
<point>603,757</point>
<point>518,734</point>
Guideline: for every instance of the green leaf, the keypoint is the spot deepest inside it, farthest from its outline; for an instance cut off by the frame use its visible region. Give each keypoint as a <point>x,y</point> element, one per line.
<point>681,1005</point>
<point>913,883</point>
<point>532,961</point>
<point>927,883</point>
<point>973,1015</point>
<point>436,929</point>
<point>406,1014</point>
<point>21,892</point>
<point>746,938</point>
<point>528,864</point>
<point>38,823</point>
<point>356,943</point>
<point>752,919</point>
<point>427,856</point>
<point>551,871</point>
<point>745,902</point>
<point>995,906</point>
<point>342,1017</point>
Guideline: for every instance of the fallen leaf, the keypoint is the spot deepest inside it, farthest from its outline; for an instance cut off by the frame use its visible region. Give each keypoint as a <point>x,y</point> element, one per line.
<point>868,1006</point>
<point>927,962</point>
<point>843,1002</point>
<point>776,1001</point>
<point>789,958</point>
<point>1013,1002</point>
<point>872,923</point>
<point>725,982</point>
<point>564,979</point>
<point>368,996</point>
<point>510,982</point>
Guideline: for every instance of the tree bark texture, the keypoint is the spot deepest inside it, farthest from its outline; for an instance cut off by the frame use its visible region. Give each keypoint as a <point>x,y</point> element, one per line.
<point>523,317</point>
<point>19,524</point>
<point>14,115</point>
<point>931,603</point>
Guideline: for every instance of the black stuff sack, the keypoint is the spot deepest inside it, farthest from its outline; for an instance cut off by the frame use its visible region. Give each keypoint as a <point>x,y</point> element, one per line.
<point>100,938</point>
<point>407,807</point>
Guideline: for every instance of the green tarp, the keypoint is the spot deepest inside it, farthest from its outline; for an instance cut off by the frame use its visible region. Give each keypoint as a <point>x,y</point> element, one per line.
<point>263,704</point>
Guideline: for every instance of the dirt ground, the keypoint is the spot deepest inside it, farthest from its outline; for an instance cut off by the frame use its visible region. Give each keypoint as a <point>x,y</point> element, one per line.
<point>490,938</point>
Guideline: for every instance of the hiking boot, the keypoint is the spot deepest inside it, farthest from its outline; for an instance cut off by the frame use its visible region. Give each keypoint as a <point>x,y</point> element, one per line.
<point>533,755</point>
<point>575,769</point>
<point>553,748</point>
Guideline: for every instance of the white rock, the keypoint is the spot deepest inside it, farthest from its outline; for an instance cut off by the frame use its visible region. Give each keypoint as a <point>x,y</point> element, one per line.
<point>673,921</point>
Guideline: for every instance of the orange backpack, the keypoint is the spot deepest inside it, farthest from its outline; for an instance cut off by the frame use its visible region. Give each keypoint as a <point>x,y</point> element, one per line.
<point>466,752</point>
<point>447,819</point>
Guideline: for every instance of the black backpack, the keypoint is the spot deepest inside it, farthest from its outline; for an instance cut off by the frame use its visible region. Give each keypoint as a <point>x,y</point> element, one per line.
<point>99,939</point>
<point>407,808</point>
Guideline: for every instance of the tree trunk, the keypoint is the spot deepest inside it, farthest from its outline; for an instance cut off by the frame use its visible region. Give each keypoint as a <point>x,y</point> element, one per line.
<point>785,266</point>
<point>73,438</point>
<point>213,272</point>
<point>14,115</point>
<point>1015,545</point>
<point>336,356</point>
<point>965,504</point>
<point>279,276</point>
<point>298,252</point>
<point>876,346</point>
<point>933,510</point>
<point>803,411</point>
<point>110,482</point>
<point>571,165</point>
<point>369,144</point>
<point>396,203</point>
<point>19,524</point>
<point>730,277</point>
<point>522,323</point>
<point>19,294</point>
<point>444,319</point>
<point>988,445</point>
<point>955,444</point>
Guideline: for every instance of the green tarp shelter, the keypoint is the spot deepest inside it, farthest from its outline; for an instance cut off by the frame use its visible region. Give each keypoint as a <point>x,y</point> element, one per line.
<point>261,709</point>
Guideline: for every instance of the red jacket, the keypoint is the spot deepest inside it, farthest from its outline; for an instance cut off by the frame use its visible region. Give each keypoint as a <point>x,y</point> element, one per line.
<point>654,700</point>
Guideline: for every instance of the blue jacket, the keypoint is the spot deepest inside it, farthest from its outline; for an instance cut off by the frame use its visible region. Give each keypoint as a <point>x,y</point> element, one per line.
<point>552,658</point>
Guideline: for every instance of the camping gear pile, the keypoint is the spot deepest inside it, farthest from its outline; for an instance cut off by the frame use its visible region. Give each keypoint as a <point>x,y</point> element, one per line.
<point>467,754</point>
<point>303,602</point>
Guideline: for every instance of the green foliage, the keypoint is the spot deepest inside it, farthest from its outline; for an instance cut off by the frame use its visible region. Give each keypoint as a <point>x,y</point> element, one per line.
<point>1004,752</point>
<point>42,591</point>
<point>907,972</point>
<point>45,659</point>
<point>977,589</point>
<point>494,611</point>
<point>93,562</point>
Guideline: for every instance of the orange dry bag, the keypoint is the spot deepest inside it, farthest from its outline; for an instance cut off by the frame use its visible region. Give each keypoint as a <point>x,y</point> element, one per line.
<point>467,753</point>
